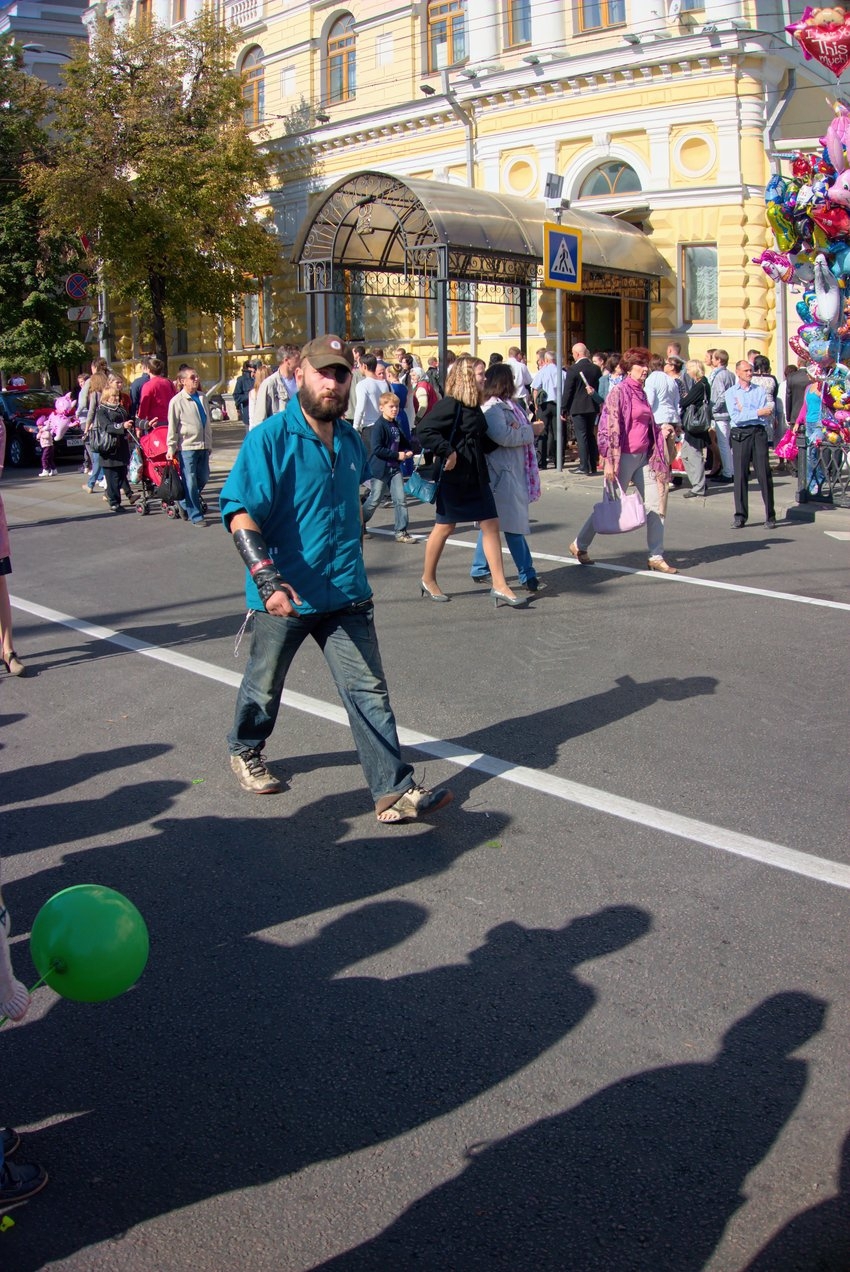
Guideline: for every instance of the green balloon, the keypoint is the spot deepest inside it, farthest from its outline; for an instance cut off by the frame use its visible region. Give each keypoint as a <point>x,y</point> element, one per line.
<point>90,943</point>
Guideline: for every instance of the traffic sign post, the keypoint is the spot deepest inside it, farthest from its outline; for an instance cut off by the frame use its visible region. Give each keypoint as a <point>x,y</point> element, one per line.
<point>561,270</point>
<point>561,257</point>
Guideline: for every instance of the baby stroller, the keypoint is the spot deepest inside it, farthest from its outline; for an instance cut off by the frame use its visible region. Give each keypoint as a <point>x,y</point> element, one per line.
<point>148,464</point>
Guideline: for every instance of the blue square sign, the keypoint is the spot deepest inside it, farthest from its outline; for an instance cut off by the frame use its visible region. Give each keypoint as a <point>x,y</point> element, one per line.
<point>562,257</point>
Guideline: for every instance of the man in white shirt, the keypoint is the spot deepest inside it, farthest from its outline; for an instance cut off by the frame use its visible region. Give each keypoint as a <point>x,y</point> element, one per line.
<point>521,374</point>
<point>276,391</point>
<point>367,397</point>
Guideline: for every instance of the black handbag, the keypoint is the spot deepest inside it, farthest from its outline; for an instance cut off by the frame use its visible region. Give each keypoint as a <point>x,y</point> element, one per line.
<point>171,487</point>
<point>100,441</point>
<point>697,420</point>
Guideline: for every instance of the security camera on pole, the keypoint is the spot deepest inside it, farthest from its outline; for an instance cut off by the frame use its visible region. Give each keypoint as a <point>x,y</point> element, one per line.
<point>561,270</point>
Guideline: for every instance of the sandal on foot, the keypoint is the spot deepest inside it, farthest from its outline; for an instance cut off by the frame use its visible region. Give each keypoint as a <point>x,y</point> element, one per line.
<point>580,555</point>
<point>416,802</point>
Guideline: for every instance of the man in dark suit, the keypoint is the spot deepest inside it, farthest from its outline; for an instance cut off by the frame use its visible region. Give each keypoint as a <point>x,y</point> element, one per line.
<point>137,386</point>
<point>242,389</point>
<point>797,380</point>
<point>582,381</point>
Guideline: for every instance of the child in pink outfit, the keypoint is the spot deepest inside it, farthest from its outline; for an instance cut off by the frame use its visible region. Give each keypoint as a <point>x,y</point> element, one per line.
<point>51,429</point>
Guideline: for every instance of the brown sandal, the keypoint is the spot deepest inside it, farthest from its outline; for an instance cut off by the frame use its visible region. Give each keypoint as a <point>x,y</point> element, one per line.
<point>580,554</point>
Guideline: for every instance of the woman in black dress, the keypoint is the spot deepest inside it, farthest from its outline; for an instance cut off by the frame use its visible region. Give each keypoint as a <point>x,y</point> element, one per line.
<point>455,432</point>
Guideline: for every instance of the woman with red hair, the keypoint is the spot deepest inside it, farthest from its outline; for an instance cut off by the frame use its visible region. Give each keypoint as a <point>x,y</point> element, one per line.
<point>629,441</point>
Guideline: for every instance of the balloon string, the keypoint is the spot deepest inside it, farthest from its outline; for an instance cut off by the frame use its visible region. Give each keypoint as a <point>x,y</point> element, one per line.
<point>32,989</point>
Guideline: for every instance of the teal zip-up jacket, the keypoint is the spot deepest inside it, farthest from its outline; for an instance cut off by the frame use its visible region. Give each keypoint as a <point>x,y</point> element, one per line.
<point>307,508</point>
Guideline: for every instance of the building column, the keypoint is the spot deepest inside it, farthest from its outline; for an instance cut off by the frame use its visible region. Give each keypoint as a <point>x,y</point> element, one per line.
<point>548,32</point>
<point>659,156</point>
<point>482,31</point>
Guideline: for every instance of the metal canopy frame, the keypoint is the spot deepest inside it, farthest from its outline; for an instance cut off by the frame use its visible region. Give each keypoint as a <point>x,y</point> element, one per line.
<point>432,233</point>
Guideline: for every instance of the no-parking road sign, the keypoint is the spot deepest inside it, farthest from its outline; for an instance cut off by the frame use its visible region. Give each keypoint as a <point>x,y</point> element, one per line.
<point>77,286</point>
<point>562,257</point>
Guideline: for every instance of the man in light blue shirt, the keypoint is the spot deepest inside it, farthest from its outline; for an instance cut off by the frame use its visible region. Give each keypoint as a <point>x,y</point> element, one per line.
<point>544,390</point>
<point>748,413</point>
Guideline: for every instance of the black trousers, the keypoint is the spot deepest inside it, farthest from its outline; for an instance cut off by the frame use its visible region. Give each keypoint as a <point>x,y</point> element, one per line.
<point>546,442</point>
<point>584,427</point>
<point>116,478</point>
<point>749,445</point>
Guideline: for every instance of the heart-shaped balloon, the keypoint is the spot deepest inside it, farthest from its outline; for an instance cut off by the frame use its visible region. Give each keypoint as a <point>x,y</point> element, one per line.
<point>828,44</point>
<point>800,350</point>
<point>834,221</point>
<point>802,167</point>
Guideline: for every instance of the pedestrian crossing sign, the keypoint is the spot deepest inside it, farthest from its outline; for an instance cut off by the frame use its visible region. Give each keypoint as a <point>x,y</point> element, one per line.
<point>562,257</point>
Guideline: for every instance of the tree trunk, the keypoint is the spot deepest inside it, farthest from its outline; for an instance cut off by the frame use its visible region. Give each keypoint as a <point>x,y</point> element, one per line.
<point>156,283</point>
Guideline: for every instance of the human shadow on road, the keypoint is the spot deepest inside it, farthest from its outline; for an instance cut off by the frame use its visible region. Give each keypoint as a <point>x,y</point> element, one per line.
<point>818,1240</point>
<point>641,1177</point>
<point>538,735</point>
<point>239,1059</point>
<point>43,781</point>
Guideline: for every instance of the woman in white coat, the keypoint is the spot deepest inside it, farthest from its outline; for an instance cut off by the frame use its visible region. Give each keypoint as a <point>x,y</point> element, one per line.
<point>514,478</point>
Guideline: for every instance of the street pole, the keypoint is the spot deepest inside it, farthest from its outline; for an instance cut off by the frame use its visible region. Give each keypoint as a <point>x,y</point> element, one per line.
<point>559,364</point>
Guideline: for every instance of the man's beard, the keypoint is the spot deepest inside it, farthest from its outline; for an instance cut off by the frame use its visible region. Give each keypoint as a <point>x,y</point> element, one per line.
<point>326,407</point>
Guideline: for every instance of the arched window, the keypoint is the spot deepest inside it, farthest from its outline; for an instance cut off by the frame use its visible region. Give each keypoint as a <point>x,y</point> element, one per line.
<point>610,179</point>
<point>342,60</point>
<point>253,88</point>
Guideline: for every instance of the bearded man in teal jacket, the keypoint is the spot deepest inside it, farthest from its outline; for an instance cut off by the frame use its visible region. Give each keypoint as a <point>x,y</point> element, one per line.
<point>292,505</point>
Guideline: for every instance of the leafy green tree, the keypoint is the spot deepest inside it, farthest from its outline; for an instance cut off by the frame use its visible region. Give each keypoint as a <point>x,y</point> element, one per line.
<point>154,163</point>
<point>34,330</point>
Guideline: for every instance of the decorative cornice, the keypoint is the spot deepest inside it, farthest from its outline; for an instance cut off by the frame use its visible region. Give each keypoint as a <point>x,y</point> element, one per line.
<point>554,83</point>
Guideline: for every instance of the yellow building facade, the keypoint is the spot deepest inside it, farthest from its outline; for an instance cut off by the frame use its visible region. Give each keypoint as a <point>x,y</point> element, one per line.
<point>667,114</point>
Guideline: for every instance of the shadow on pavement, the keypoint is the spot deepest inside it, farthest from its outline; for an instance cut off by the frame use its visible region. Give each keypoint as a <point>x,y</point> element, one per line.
<point>642,1177</point>
<point>239,1059</point>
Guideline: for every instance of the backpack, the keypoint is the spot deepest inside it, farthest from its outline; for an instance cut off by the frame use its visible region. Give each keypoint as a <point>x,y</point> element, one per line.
<point>430,393</point>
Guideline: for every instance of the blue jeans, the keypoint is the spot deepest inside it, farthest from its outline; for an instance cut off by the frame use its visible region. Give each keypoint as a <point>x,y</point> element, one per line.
<point>396,485</point>
<point>518,549</point>
<point>96,470</point>
<point>195,472</point>
<point>348,641</point>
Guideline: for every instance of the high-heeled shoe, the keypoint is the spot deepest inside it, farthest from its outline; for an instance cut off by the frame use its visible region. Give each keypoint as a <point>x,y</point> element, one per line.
<point>13,665</point>
<point>500,598</point>
<point>434,596</point>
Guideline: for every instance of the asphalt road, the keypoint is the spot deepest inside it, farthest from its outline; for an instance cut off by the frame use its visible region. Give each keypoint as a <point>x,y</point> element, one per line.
<point>592,1017</point>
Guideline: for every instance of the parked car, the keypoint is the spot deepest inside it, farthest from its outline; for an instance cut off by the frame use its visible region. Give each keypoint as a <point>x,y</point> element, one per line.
<point>20,410</point>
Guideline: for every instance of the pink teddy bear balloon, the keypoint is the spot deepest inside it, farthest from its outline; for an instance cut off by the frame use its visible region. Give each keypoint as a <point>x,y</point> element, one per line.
<point>839,191</point>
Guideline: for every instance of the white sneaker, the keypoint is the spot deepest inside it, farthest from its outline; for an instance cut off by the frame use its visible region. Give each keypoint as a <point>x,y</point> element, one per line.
<point>45,472</point>
<point>101,483</point>
<point>54,472</point>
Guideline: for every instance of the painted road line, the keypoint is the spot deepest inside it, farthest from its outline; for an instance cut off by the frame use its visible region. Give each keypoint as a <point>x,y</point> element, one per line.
<point>718,837</point>
<point>686,579</point>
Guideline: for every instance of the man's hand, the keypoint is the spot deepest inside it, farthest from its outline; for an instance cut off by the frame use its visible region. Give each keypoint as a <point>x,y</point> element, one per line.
<point>282,602</point>
<point>405,455</point>
<point>449,462</point>
<point>169,454</point>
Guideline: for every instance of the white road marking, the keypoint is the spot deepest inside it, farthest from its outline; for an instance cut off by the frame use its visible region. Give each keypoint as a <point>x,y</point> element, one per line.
<point>667,578</point>
<point>843,535</point>
<point>718,837</point>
